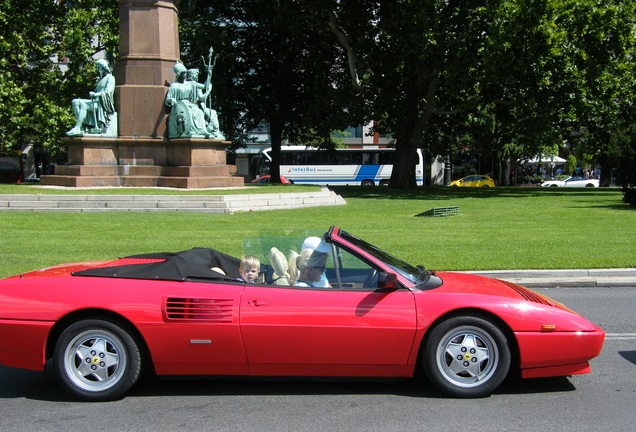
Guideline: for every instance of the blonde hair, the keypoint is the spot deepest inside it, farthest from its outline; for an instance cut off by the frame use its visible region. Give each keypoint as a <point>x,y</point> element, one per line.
<point>306,259</point>
<point>249,261</point>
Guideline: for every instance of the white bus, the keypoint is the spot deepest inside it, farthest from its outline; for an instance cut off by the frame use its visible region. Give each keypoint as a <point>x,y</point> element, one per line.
<point>347,166</point>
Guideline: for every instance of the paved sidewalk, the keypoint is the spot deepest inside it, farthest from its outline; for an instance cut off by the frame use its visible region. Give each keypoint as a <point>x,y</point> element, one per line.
<point>227,204</point>
<point>566,278</point>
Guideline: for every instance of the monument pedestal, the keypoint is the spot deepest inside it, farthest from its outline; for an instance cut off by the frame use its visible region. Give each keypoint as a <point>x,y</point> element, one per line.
<point>145,162</point>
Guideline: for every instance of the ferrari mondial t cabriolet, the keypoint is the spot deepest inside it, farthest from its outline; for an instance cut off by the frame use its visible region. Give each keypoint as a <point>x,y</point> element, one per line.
<point>99,325</point>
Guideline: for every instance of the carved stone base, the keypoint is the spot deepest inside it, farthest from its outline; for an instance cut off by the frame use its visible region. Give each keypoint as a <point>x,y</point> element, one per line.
<point>148,162</point>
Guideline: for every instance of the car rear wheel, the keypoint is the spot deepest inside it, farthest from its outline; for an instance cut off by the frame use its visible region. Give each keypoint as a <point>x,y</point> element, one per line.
<point>466,357</point>
<point>96,360</point>
<point>367,183</point>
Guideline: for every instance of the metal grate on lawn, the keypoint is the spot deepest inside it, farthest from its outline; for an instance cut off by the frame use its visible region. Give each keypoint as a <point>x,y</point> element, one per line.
<point>440,212</point>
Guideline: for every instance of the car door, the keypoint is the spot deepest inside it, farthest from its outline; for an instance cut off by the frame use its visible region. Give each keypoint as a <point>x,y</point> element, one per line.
<point>470,181</point>
<point>199,333</point>
<point>351,330</point>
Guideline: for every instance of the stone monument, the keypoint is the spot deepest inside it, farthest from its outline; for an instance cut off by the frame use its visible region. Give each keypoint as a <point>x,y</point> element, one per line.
<point>97,114</point>
<point>141,152</point>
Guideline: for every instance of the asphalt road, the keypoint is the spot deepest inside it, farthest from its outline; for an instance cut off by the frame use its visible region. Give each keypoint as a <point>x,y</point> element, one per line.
<point>604,400</point>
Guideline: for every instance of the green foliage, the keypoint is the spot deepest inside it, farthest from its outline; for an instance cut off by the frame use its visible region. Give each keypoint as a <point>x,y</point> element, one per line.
<point>277,63</point>
<point>35,92</point>
<point>27,42</point>
<point>499,78</point>
<point>570,165</point>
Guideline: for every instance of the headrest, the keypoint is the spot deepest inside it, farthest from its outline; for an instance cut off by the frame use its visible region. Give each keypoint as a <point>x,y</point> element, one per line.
<point>278,261</point>
<point>218,270</point>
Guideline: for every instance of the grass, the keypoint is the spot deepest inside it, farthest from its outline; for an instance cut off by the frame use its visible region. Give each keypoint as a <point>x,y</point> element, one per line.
<point>497,228</point>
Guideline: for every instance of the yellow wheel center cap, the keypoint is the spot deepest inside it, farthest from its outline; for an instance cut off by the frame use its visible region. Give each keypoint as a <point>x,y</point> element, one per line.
<point>95,360</point>
<point>466,356</point>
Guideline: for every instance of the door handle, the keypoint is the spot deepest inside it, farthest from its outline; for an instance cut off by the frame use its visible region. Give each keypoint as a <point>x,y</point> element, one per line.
<point>259,302</point>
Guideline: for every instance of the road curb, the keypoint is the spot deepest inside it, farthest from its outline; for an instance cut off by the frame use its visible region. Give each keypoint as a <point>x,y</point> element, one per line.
<point>580,278</point>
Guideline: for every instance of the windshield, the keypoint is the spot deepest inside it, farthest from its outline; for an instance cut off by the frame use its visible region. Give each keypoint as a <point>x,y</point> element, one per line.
<point>416,275</point>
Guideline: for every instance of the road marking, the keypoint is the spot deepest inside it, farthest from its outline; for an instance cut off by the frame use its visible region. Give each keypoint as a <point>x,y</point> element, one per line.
<point>620,336</point>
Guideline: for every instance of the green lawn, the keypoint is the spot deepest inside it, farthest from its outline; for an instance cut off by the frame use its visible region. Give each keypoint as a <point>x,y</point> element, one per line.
<point>497,228</point>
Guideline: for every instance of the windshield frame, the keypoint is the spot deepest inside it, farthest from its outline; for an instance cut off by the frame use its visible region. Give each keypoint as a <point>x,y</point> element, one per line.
<point>414,274</point>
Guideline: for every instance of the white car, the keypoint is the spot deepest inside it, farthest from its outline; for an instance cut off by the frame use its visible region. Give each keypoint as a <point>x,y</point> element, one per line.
<point>572,182</point>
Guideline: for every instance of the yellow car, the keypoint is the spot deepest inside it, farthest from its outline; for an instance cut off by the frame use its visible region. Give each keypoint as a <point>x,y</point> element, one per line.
<point>474,181</point>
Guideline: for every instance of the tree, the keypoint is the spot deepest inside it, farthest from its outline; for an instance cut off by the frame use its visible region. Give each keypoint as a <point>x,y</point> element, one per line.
<point>522,74</point>
<point>35,90</point>
<point>278,64</point>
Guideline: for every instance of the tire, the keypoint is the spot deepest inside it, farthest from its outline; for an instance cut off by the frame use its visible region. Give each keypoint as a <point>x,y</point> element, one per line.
<point>554,186</point>
<point>96,360</point>
<point>589,185</point>
<point>367,183</point>
<point>466,357</point>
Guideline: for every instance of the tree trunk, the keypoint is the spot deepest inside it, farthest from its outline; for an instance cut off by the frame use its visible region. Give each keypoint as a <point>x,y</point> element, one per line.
<point>403,174</point>
<point>276,136</point>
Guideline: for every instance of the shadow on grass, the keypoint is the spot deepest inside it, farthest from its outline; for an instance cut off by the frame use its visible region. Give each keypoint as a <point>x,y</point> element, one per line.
<point>445,193</point>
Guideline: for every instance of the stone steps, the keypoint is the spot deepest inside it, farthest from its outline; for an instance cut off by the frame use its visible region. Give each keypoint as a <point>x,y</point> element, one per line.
<point>167,203</point>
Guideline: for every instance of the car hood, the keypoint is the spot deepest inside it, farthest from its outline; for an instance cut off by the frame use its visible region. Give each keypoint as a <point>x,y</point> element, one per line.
<point>461,283</point>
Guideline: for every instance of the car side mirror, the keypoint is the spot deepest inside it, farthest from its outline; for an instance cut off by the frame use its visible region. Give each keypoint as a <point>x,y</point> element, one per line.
<point>387,280</point>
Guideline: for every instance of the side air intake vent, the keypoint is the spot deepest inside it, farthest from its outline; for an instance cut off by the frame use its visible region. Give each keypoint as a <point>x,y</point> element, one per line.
<point>199,309</point>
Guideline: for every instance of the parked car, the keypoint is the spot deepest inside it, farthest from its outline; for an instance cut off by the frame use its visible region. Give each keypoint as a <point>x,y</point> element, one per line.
<point>188,314</point>
<point>265,179</point>
<point>474,181</point>
<point>572,182</point>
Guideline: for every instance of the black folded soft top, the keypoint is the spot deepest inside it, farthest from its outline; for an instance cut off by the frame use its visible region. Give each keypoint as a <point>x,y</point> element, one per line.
<point>196,263</point>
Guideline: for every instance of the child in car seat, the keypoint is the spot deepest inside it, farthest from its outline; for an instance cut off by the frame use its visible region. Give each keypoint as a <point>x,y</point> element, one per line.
<point>249,268</point>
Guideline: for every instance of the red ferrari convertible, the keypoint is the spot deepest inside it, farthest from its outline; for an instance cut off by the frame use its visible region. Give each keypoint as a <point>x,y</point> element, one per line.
<point>189,313</point>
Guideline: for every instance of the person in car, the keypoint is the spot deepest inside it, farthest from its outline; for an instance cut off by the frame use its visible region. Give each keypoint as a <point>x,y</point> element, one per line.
<point>309,266</point>
<point>316,244</point>
<point>249,268</point>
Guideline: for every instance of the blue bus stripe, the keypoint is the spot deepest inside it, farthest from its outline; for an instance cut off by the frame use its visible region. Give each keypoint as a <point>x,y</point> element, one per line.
<point>367,172</point>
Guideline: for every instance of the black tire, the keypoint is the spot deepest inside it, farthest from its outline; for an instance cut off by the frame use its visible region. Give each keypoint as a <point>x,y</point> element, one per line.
<point>96,360</point>
<point>466,357</point>
<point>367,183</point>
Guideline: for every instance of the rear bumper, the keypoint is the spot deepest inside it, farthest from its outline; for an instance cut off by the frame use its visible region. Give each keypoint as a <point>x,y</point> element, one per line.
<point>23,343</point>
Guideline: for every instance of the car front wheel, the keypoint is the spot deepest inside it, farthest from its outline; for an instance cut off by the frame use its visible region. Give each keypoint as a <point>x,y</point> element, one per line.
<point>466,357</point>
<point>96,360</point>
